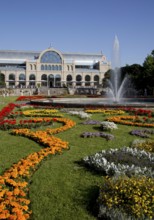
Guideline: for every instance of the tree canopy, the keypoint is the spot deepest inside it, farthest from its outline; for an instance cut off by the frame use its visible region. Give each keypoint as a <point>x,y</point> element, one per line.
<point>142,76</point>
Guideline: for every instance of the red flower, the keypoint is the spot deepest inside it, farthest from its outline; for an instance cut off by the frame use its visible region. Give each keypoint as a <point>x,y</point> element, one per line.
<point>54,119</point>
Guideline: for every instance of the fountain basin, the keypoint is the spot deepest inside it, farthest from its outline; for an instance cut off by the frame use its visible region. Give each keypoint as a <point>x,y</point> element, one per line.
<point>96,102</point>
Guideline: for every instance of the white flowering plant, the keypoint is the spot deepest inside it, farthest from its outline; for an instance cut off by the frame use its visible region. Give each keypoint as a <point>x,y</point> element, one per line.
<point>108,126</point>
<point>126,161</point>
<point>80,114</point>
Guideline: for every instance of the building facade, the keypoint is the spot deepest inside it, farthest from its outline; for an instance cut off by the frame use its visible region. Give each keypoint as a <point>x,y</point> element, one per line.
<point>51,68</point>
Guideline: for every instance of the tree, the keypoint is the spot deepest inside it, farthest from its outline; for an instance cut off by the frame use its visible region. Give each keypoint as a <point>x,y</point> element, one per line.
<point>135,72</point>
<point>148,66</point>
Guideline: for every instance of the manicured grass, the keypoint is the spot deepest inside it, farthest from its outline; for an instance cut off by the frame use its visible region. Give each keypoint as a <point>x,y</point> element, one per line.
<point>62,189</point>
<point>5,100</point>
<point>13,148</point>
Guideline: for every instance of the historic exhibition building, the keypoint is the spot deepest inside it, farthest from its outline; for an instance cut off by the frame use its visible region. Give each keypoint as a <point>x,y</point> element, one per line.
<point>51,68</point>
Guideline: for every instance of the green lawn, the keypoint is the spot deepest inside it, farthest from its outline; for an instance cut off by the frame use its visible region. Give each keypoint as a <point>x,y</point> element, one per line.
<point>62,189</point>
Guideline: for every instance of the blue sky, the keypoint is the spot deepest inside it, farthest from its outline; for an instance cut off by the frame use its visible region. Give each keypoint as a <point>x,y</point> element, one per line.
<point>86,26</point>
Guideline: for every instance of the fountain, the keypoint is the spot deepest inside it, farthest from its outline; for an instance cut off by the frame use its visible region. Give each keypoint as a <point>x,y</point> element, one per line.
<point>117,87</point>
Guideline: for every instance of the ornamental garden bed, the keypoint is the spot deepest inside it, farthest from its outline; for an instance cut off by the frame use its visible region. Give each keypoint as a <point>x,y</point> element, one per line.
<point>40,167</point>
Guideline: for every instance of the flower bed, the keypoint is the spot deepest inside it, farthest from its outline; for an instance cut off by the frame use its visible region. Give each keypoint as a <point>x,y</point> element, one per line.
<point>147,145</point>
<point>128,161</point>
<point>80,114</point>
<point>142,133</point>
<point>42,113</point>
<point>129,120</point>
<point>43,137</point>
<point>97,134</point>
<point>15,114</point>
<point>105,111</point>
<point>91,122</point>
<point>126,198</point>
<point>135,111</point>
<point>32,123</point>
<point>6,111</point>
<point>27,98</point>
<point>68,123</point>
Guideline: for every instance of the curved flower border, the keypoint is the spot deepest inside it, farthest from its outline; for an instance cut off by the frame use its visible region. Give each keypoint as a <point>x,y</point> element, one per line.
<point>34,122</point>
<point>14,182</point>
<point>124,120</point>
<point>105,111</point>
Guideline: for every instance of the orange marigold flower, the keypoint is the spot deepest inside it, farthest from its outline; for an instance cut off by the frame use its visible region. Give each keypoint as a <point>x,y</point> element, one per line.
<point>16,191</point>
<point>22,193</point>
<point>9,193</point>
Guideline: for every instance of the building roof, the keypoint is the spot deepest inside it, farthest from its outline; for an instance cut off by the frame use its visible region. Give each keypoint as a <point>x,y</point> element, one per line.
<point>10,68</point>
<point>14,56</point>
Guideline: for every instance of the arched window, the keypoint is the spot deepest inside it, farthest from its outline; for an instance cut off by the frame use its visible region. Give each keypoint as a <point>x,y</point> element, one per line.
<point>44,80</point>
<point>56,67</point>
<point>68,68</point>
<point>51,57</point>
<point>78,79</point>
<point>58,80</point>
<point>87,80</point>
<point>51,81</point>
<point>42,67</point>
<point>96,80</point>
<point>45,67</point>
<point>49,67</point>
<point>22,80</point>
<point>32,77</point>
<point>72,68</point>
<point>60,68</point>
<point>69,78</point>
<point>12,80</point>
<point>44,77</point>
<point>34,67</point>
<point>22,77</point>
<point>32,80</point>
<point>12,77</point>
<point>52,67</point>
<point>51,76</point>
